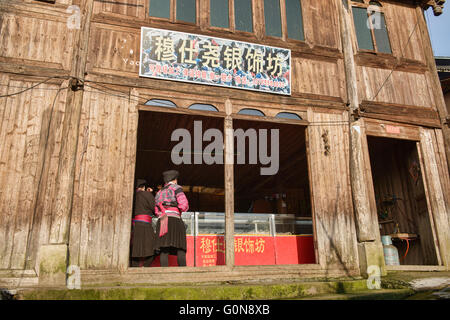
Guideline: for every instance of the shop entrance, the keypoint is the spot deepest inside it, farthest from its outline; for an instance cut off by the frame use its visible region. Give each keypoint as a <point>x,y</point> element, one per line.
<point>272,220</point>
<point>401,199</point>
<point>202,183</point>
<point>273,207</point>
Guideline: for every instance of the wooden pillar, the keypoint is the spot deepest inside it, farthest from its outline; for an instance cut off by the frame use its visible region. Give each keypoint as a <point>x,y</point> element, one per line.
<point>436,186</point>
<point>66,169</point>
<point>435,82</point>
<point>229,186</point>
<point>369,245</point>
<point>60,224</point>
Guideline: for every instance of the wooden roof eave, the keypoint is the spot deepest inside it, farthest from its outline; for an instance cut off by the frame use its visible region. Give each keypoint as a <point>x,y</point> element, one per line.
<point>437,5</point>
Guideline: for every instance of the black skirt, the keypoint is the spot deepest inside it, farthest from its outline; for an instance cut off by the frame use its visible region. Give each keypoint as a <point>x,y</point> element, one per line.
<point>175,238</point>
<point>144,240</point>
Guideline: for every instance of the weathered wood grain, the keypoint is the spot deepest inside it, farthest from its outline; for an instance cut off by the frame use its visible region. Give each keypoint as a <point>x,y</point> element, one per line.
<point>102,205</point>
<point>331,195</point>
<point>438,206</point>
<point>36,41</point>
<point>25,131</point>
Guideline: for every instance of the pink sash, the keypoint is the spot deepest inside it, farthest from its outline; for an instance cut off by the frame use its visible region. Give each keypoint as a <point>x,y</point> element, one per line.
<point>164,226</point>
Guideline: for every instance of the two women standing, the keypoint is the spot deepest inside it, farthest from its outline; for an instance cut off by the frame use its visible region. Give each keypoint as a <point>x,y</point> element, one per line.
<point>170,238</point>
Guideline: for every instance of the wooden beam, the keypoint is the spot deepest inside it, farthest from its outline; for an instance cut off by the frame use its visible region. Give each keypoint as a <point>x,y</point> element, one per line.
<point>435,193</point>
<point>229,186</point>
<point>365,214</point>
<point>399,109</point>
<point>60,226</point>
<point>435,83</point>
<point>66,169</point>
<point>389,129</point>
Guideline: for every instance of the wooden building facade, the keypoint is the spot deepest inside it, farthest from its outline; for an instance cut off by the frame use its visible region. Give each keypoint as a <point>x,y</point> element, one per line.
<point>443,68</point>
<point>371,121</point>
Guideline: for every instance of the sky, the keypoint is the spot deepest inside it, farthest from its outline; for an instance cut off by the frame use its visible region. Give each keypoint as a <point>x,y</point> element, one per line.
<point>439,28</point>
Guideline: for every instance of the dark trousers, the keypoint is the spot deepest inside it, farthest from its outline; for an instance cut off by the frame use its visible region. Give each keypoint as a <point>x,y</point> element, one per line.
<point>164,257</point>
<point>136,262</point>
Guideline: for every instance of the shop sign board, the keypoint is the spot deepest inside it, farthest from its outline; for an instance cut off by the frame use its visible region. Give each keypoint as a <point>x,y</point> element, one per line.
<point>178,56</point>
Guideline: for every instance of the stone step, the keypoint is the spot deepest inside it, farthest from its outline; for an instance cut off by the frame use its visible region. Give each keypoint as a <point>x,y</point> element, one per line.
<point>260,291</point>
<point>381,294</point>
<point>13,279</point>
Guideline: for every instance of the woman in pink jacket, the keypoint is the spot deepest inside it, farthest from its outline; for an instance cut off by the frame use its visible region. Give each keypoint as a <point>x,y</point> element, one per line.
<point>170,203</point>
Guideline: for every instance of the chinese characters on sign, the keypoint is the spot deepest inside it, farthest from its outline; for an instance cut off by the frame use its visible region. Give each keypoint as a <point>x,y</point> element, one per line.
<point>211,250</point>
<point>194,58</point>
<point>247,245</point>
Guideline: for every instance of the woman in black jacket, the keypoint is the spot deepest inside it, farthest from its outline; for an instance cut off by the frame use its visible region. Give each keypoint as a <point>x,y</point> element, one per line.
<point>143,239</point>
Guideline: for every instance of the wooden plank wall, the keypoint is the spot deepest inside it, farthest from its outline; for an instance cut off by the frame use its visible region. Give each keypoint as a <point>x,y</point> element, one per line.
<point>437,188</point>
<point>402,25</point>
<point>331,195</point>
<point>318,77</point>
<point>25,136</point>
<point>409,83</point>
<point>134,8</point>
<point>119,54</point>
<point>401,87</point>
<point>104,181</point>
<point>321,75</point>
<point>36,40</point>
<point>314,14</point>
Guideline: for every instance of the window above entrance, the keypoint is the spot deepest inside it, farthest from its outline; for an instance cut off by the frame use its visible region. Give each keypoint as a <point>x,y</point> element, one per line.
<point>251,112</point>
<point>203,107</point>
<point>288,115</point>
<point>370,26</point>
<point>161,103</point>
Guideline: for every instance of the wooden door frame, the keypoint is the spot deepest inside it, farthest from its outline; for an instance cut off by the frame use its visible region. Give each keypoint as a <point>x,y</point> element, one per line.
<point>399,131</point>
<point>234,116</point>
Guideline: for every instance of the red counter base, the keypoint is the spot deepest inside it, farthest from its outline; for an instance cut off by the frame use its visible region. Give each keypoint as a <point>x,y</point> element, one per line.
<point>209,250</point>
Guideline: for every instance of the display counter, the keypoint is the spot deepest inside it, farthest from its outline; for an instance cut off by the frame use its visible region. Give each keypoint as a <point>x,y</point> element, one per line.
<point>259,239</point>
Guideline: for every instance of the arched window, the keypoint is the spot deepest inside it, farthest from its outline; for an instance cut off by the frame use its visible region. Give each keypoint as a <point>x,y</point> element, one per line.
<point>203,107</point>
<point>370,26</point>
<point>252,112</point>
<point>161,103</point>
<point>288,115</point>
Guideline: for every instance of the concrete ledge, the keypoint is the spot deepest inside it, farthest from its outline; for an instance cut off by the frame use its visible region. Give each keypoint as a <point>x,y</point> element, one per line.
<point>396,285</point>
<point>52,264</point>
<point>18,278</point>
<point>416,268</point>
<point>383,294</point>
<point>201,292</point>
<point>183,275</point>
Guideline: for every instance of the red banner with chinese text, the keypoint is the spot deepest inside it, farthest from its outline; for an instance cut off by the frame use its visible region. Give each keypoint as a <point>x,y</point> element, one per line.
<point>249,250</point>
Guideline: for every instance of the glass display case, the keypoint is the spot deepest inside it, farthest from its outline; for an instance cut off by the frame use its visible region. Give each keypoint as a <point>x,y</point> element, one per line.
<point>253,224</point>
<point>291,225</point>
<point>259,239</point>
<point>213,223</point>
<point>189,221</point>
<point>209,223</point>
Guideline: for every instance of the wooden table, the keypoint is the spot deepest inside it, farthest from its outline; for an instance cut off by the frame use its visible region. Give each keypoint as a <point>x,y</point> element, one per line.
<point>406,237</point>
